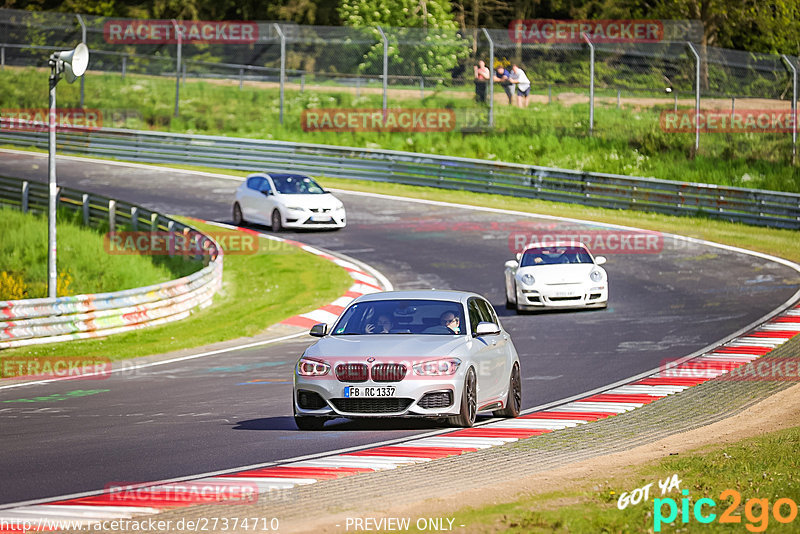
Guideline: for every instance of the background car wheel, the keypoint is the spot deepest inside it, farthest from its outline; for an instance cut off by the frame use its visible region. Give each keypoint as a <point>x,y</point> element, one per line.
<point>309,423</point>
<point>238,219</point>
<point>514,399</point>
<point>277,225</point>
<point>469,403</point>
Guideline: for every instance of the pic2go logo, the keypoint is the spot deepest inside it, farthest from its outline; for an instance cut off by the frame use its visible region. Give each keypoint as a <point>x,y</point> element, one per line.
<point>756,511</point>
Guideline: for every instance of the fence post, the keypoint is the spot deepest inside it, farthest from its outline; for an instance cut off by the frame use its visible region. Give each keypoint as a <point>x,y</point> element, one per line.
<point>183,75</point>
<point>85,208</point>
<point>124,65</point>
<point>153,222</point>
<point>422,86</point>
<point>385,69</point>
<point>134,218</point>
<point>171,237</point>
<point>283,64</point>
<point>619,95</point>
<point>25,191</point>
<point>697,97</point>
<point>794,106</point>
<point>177,65</point>
<point>241,78</point>
<point>302,83</point>
<point>491,81</point>
<point>83,40</point>
<point>676,100</point>
<point>549,94</point>
<point>3,57</point>
<point>591,83</point>
<point>112,215</point>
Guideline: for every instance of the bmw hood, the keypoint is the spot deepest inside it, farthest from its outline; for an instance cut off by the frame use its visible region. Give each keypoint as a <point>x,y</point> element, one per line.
<point>559,274</point>
<point>379,346</point>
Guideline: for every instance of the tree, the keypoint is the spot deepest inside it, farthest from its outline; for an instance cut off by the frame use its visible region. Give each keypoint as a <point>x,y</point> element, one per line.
<point>422,35</point>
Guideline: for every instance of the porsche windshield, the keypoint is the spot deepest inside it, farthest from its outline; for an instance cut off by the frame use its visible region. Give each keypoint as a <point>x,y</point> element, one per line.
<point>295,184</point>
<point>429,317</point>
<point>555,255</point>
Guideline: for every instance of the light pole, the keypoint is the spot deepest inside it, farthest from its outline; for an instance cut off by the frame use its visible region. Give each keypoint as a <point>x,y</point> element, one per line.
<point>72,64</point>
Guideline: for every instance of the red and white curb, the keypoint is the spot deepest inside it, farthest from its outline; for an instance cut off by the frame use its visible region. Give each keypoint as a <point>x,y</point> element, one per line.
<point>156,498</point>
<point>364,282</point>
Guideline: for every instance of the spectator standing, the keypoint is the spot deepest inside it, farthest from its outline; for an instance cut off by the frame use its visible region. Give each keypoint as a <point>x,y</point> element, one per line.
<point>503,77</point>
<point>481,78</point>
<point>523,84</point>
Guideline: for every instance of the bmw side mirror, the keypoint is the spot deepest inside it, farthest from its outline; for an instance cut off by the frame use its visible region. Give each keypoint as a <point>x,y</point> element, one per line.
<point>599,260</point>
<point>267,193</point>
<point>519,256</point>
<point>486,328</point>
<point>319,330</point>
<point>512,264</point>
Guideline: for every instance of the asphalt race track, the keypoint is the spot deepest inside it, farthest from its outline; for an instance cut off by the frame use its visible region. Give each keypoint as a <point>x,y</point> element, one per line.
<point>232,410</point>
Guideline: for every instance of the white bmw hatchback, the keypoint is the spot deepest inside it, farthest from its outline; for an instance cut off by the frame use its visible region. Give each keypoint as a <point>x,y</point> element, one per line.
<point>284,200</point>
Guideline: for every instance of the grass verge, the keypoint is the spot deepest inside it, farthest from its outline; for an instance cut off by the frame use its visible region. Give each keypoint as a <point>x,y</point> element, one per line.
<point>629,140</point>
<point>258,290</point>
<point>764,467</point>
<point>84,266</point>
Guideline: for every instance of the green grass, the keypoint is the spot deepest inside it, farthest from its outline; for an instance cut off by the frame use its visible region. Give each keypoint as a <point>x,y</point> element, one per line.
<point>81,257</point>
<point>258,290</point>
<point>626,141</point>
<point>765,467</point>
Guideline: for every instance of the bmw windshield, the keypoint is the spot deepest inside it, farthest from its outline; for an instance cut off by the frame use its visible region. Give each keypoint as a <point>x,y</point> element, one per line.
<point>429,317</point>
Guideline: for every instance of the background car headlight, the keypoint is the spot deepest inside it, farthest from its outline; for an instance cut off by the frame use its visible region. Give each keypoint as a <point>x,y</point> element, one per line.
<point>527,279</point>
<point>445,366</point>
<point>312,367</point>
<point>596,276</point>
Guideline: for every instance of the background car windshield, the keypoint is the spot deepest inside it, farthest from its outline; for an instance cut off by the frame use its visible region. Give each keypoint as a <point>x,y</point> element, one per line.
<point>287,184</point>
<point>555,255</point>
<point>402,317</point>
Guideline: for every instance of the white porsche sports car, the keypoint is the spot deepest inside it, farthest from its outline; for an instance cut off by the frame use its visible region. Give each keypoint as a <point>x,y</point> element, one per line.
<point>557,276</point>
<point>286,201</point>
<point>433,354</point>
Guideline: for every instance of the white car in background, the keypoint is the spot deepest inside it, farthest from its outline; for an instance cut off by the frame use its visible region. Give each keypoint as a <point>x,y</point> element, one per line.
<point>283,200</point>
<point>557,276</point>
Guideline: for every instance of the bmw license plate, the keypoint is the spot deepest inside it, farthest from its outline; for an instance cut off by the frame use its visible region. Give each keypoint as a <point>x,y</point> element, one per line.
<point>369,391</point>
<point>321,218</point>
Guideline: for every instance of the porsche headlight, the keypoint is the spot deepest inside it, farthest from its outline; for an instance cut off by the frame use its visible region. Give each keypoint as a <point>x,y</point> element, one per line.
<point>527,279</point>
<point>293,208</point>
<point>596,276</point>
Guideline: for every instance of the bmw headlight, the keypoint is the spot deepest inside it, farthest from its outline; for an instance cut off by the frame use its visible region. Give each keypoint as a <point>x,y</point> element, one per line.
<point>311,367</point>
<point>596,276</point>
<point>445,366</point>
<point>527,279</point>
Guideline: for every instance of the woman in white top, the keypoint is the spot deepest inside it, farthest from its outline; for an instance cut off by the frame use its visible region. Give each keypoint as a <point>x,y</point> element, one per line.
<point>523,86</point>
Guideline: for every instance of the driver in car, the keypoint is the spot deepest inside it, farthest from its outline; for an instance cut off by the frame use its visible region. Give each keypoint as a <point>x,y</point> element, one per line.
<point>382,326</point>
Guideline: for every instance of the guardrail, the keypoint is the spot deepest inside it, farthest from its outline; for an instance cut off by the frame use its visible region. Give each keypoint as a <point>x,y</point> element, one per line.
<point>751,206</point>
<point>46,320</point>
